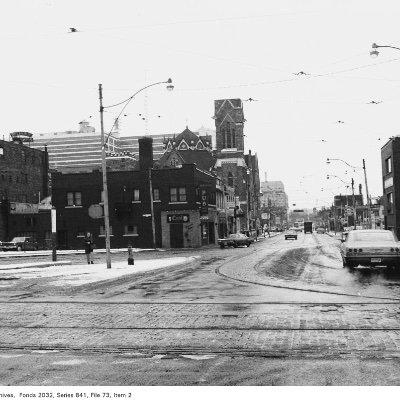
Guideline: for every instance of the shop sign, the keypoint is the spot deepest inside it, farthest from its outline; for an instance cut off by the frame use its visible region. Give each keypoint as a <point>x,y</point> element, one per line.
<point>24,208</point>
<point>204,202</point>
<point>177,218</point>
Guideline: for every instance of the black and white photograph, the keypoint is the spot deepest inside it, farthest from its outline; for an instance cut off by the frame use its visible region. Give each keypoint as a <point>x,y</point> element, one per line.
<point>199,197</point>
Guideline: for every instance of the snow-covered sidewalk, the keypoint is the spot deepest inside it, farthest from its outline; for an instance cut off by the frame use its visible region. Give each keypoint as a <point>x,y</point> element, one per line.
<point>80,274</point>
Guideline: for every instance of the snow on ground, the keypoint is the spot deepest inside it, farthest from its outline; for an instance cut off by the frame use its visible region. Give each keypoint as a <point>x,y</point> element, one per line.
<point>82,274</point>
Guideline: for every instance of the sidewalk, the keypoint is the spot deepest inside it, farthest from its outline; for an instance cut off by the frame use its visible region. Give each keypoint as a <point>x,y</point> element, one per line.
<point>80,274</point>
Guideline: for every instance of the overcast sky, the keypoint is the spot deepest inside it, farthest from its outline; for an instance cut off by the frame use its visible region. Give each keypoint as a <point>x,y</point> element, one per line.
<point>214,50</point>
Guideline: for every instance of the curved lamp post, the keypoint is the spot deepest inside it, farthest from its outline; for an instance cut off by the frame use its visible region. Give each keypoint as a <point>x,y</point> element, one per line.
<point>375,53</point>
<point>104,141</point>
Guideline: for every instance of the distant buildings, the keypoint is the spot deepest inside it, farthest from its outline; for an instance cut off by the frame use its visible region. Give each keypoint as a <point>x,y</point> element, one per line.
<point>274,202</point>
<point>81,150</point>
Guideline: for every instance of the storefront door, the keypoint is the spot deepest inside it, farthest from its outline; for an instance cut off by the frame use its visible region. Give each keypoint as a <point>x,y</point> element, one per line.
<point>176,235</point>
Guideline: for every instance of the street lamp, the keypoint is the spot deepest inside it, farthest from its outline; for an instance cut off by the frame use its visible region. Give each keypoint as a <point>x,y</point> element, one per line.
<point>104,142</point>
<point>375,53</point>
<point>328,161</point>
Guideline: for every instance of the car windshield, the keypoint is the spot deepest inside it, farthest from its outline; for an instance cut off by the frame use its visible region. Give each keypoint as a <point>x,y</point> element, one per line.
<point>236,236</point>
<point>19,239</point>
<point>384,236</point>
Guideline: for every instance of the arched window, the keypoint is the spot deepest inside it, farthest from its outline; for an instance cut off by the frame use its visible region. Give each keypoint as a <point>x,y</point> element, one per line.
<point>230,179</point>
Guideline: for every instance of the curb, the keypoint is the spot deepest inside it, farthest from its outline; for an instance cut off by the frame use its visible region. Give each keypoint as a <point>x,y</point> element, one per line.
<point>43,264</point>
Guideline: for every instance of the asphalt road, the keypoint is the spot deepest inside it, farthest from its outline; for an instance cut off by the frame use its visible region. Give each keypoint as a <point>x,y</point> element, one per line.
<point>276,313</point>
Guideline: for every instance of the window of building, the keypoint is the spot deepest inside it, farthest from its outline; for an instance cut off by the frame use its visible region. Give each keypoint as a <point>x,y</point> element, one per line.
<point>81,232</point>
<point>156,194</point>
<point>388,165</point>
<point>103,231</point>
<point>131,230</point>
<point>230,179</point>
<point>74,199</point>
<point>135,195</point>
<point>174,162</point>
<point>31,221</point>
<point>177,194</point>
<point>211,198</point>
<point>389,199</point>
<point>23,156</point>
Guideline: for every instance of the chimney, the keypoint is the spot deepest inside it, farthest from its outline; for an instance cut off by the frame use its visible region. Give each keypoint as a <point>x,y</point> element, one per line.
<point>145,153</point>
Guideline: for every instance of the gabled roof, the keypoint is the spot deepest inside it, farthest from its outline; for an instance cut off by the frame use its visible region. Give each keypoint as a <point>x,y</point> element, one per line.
<point>188,140</point>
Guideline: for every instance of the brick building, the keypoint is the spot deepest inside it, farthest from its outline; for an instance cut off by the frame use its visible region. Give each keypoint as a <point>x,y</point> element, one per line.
<point>183,205</point>
<point>390,156</point>
<point>23,184</point>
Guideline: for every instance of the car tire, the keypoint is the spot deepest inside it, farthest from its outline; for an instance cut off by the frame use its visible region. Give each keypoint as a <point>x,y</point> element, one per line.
<point>235,245</point>
<point>19,248</point>
<point>348,265</point>
<point>248,244</point>
<point>221,246</point>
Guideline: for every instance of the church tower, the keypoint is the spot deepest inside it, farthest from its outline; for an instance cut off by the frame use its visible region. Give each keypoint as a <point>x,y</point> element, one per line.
<point>229,122</point>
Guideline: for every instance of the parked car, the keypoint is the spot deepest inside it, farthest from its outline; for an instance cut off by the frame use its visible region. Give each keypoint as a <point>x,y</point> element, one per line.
<point>235,240</point>
<point>291,234</point>
<point>320,230</point>
<point>370,247</point>
<point>20,243</point>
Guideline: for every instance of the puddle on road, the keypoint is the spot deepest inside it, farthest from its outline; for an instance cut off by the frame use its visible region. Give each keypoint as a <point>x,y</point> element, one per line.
<point>10,355</point>
<point>69,362</point>
<point>198,357</point>
<point>44,351</point>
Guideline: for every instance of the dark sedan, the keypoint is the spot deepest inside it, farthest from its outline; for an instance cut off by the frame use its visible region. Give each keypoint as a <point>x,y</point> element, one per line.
<point>20,243</point>
<point>370,247</point>
<point>235,240</point>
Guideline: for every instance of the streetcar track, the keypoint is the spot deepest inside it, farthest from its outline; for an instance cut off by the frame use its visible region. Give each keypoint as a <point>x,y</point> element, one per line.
<point>206,329</point>
<point>145,352</point>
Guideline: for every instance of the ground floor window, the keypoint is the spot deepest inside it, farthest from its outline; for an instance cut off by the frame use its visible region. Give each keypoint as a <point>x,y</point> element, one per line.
<point>130,230</point>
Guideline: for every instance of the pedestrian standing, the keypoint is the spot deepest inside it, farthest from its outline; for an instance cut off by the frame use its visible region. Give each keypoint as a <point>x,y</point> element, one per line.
<point>89,248</point>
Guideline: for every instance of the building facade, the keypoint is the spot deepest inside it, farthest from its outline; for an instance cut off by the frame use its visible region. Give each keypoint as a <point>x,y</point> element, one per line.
<point>24,182</point>
<point>163,207</point>
<point>390,158</point>
<point>274,203</point>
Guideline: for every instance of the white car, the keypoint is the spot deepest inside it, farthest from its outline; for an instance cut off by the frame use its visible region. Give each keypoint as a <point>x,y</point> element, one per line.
<point>370,247</point>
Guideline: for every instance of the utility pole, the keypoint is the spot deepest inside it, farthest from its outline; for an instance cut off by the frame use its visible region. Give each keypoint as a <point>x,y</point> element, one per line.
<point>354,204</point>
<point>368,199</point>
<point>105,188</point>
<point>153,225</point>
